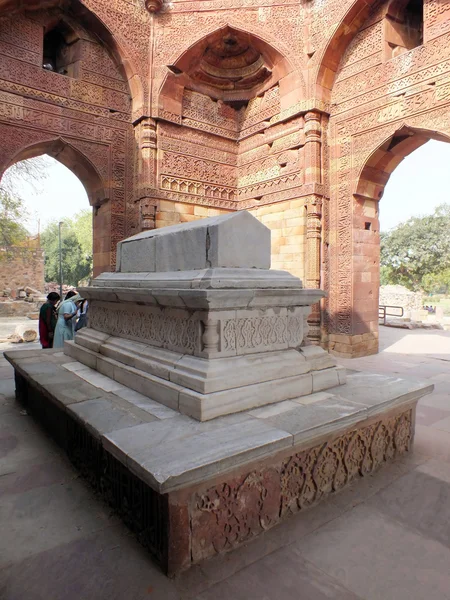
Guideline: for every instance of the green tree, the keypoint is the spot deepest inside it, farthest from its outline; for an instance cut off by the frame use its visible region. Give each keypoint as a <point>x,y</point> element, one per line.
<point>437,283</point>
<point>81,224</point>
<point>76,264</point>
<point>12,216</point>
<point>417,248</point>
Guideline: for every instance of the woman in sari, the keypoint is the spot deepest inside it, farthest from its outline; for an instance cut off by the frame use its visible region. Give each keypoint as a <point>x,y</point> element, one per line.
<point>47,320</point>
<point>65,326</point>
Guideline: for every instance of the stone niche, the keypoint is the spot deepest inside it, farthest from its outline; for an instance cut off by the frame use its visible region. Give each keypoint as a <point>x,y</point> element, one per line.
<point>195,319</point>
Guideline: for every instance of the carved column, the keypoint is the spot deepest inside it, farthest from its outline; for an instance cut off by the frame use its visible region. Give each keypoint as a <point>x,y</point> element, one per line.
<point>313,240</point>
<point>313,176</point>
<point>147,172</point>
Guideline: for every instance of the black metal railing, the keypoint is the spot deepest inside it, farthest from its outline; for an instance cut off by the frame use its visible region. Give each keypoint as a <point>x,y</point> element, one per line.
<point>384,311</point>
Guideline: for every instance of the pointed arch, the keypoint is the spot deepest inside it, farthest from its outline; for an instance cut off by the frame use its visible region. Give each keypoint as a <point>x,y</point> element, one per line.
<point>380,164</point>
<point>333,52</point>
<point>264,38</point>
<point>269,56</point>
<point>72,158</point>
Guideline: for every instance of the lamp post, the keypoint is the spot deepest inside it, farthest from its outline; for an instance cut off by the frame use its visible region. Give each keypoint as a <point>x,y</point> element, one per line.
<point>60,260</point>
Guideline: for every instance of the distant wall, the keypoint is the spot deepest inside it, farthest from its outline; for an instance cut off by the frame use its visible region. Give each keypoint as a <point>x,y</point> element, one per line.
<point>21,267</point>
<point>397,295</point>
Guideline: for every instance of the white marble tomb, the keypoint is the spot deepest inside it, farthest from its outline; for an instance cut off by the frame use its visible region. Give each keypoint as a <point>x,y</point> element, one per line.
<point>195,319</point>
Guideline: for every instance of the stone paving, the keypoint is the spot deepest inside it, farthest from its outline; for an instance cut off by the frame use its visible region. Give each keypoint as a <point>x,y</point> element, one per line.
<point>386,537</point>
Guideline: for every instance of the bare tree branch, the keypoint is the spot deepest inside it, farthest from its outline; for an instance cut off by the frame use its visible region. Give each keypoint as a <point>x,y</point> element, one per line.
<point>33,172</point>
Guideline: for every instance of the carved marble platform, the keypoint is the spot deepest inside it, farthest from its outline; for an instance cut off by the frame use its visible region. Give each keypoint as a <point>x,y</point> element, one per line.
<point>191,490</point>
<point>191,402</point>
<point>195,319</point>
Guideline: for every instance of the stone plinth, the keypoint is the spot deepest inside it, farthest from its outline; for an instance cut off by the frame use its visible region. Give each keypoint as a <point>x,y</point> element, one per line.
<point>195,319</point>
<point>192,490</point>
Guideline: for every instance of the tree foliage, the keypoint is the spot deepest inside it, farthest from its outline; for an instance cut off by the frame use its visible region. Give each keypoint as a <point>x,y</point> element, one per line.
<point>76,248</point>
<point>416,254</point>
<point>12,217</point>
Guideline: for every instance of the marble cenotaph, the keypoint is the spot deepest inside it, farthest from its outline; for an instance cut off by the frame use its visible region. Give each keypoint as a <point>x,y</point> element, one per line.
<point>195,319</point>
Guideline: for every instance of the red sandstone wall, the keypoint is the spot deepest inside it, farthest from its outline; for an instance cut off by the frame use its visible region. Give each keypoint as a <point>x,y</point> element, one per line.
<point>383,107</point>
<point>308,149</point>
<point>83,120</point>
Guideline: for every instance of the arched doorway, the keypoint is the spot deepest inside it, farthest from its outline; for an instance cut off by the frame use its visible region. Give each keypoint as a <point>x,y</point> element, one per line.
<point>363,229</point>
<point>370,186</point>
<point>386,99</point>
<point>42,203</point>
<point>89,176</point>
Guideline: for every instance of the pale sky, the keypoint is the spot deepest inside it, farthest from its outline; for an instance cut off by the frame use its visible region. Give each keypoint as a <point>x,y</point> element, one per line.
<point>61,195</point>
<point>419,184</point>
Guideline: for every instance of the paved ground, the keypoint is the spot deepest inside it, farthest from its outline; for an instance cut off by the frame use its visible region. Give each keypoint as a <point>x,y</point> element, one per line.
<point>386,538</point>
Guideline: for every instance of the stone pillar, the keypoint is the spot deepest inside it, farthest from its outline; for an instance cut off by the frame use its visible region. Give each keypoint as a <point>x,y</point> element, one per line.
<point>146,174</point>
<point>313,147</point>
<point>313,176</point>
<point>313,240</point>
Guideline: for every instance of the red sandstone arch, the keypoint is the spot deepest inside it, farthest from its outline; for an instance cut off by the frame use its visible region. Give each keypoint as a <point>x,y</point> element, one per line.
<point>341,38</point>
<point>73,159</point>
<point>283,70</point>
<point>381,163</point>
<point>87,173</point>
<point>367,190</point>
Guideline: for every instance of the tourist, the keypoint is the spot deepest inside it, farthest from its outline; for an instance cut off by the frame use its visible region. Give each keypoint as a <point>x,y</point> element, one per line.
<point>47,320</point>
<point>65,326</point>
<point>82,315</point>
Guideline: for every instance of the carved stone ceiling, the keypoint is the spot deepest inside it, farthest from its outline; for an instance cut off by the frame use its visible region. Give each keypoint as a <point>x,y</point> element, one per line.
<point>229,64</point>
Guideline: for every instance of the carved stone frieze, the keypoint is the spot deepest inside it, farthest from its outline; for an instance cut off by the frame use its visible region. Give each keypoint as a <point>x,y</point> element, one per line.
<point>253,334</point>
<point>236,510</point>
<point>152,326</point>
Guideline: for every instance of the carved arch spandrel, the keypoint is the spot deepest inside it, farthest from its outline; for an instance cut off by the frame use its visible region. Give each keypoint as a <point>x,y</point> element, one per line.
<point>258,33</point>
<point>90,16</point>
<point>336,46</point>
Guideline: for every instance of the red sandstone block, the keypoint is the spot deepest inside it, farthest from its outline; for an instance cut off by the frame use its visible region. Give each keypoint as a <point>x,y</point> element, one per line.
<point>188,218</point>
<point>166,223</point>
<point>101,244</point>
<point>290,249</point>
<point>167,206</point>
<point>273,224</point>
<point>173,218</point>
<point>293,213</point>
<point>201,211</point>
<point>295,222</point>
<point>291,231</point>
<point>274,217</point>
<point>299,203</point>
<point>269,209</point>
<point>216,212</point>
